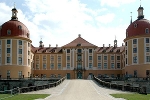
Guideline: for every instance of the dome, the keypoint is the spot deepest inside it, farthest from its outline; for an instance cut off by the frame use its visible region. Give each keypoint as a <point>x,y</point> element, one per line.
<point>138,27</point>
<point>14,28</point>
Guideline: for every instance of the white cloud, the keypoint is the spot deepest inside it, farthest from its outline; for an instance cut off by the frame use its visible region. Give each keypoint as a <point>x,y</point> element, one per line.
<point>60,23</point>
<point>106,18</point>
<point>115,3</point>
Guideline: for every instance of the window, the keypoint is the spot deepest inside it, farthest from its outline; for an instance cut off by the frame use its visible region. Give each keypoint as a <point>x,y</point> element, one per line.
<point>118,65</point>
<point>79,51</point>
<point>37,66</point>
<point>126,44</point>
<point>112,66</point>
<point>0,42</point>
<point>52,65</point>
<point>8,59</point>
<point>68,65</point>
<point>8,32</point>
<point>44,66</point>
<point>147,58</point>
<point>112,57</point>
<point>28,61</point>
<point>118,57</point>
<point>90,65</point>
<point>90,50</point>
<point>99,57</point>
<point>20,42</point>
<point>147,40</point>
<point>59,65</point>
<point>44,58</point>
<point>59,58</point>
<point>105,65</point>
<point>20,27</point>
<point>28,52</point>
<point>20,51</point>
<point>8,50</point>
<point>90,57</point>
<point>135,25</point>
<point>99,65</point>
<point>8,42</point>
<point>147,49</point>
<point>28,44</point>
<point>126,61</point>
<point>68,57</point>
<point>126,52</point>
<point>20,74</point>
<point>126,34</point>
<point>146,30</point>
<point>134,50</point>
<point>20,60</point>
<point>134,41</point>
<point>68,50</point>
<point>105,57</point>
<point>28,35</point>
<point>135,59</point>
<point>52,58</point>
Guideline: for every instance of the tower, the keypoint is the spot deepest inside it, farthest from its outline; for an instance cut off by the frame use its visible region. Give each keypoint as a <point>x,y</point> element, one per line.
<point>115,42</point>
<point>140,13</point>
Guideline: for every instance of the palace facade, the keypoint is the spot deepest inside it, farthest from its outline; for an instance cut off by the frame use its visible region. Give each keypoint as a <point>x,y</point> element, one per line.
<point>77,59</point>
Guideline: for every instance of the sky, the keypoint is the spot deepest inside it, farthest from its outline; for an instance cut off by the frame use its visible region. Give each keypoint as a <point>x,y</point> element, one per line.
<point>61,21</point>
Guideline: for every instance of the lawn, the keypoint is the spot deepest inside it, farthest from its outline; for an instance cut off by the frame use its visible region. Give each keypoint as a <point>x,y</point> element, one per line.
<point>132,96</point>
<point>23,96</point>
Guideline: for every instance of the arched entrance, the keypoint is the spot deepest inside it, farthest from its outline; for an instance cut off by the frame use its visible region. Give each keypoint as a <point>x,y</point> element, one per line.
<point>79,75</point>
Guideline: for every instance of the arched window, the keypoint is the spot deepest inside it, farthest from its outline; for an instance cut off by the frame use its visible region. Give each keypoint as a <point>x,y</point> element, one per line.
<point>146,30</point>
<point>135,25</point>
<point>8,32</point>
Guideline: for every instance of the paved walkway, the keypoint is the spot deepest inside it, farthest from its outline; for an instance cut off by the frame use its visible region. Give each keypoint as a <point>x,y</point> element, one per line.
<point>78,90</point>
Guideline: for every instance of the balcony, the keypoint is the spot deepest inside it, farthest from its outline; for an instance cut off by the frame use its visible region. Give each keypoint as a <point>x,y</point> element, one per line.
<point>80,68</point>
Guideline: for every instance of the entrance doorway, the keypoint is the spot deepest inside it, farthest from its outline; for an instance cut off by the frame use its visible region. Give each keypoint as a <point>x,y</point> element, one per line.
<point>79,75</point>
<point>68,75</point>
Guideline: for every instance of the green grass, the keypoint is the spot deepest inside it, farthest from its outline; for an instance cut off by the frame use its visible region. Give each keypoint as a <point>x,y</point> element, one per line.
<point>23,96</point>
<point>132,96</point>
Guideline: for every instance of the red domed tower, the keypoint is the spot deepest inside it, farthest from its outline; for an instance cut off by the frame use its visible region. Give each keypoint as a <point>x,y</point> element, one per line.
<point>137,47</point>
<point>15,48</point>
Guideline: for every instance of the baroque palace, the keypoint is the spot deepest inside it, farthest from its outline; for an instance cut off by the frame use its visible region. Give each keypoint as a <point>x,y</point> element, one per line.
<point>77,59</point>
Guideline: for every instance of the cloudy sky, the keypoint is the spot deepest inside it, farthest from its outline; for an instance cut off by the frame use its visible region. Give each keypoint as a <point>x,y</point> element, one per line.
<point>60,21</point>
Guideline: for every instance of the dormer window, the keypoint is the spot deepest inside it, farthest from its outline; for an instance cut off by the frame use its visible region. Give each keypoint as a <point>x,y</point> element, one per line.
<point>146,30</point>
<point>28,35</point>
<point>8,32</point>
<point>20,27</point>
<point>78,44</point>
<point>126,34</point>
<point>135,25</point>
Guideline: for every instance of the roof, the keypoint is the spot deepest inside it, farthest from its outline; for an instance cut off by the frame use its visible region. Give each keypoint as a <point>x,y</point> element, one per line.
<point>110,49</point>
<point>16,28</point>
<point>39,50</point>
<point>79,42</point>
<point>138,27</point>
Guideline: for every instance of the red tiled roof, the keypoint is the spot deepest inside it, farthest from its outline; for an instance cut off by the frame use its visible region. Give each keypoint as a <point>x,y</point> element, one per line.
<point>79,41</point>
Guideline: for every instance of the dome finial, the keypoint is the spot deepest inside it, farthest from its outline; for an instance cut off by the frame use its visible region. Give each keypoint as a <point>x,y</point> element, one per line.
<point>14,5</point>
<point>131,18</point>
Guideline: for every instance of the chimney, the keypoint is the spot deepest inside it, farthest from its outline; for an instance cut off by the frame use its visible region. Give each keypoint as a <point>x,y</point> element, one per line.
<point>49,45</point>
<point>109,45</point>
<point>56,45</point>
<point>103,45</point>
<point>122,44</point>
